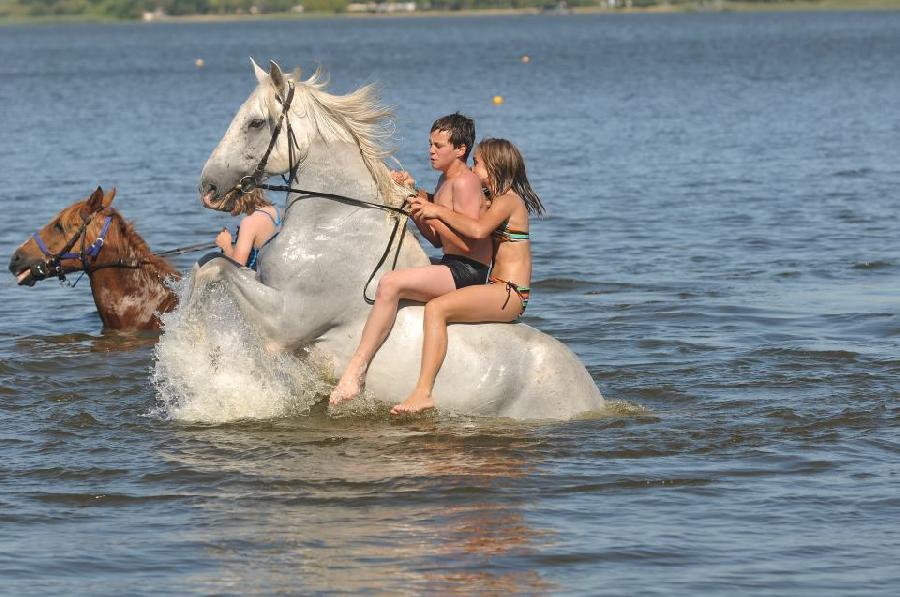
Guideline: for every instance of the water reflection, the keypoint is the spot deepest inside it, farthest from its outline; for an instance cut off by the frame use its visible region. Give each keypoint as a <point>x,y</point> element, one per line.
<point>361,505</point>
<point>482,535</point>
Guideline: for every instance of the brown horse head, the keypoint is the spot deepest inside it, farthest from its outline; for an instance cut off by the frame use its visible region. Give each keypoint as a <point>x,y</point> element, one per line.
<point>128,282</point>
<point>72,231</point>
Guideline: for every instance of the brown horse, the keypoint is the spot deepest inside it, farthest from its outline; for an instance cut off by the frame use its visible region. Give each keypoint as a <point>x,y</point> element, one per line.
<point>127,280</point>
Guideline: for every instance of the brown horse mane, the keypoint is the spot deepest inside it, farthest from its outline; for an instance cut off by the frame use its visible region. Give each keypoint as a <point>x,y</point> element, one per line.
<point>134,249</point>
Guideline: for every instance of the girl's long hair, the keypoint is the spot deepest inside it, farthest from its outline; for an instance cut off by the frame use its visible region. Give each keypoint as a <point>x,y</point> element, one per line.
<point>506,172</point>
<point>247,203</point>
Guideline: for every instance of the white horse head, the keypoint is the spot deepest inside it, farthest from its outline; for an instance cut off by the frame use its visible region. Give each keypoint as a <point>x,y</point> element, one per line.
<point>312,276</point>
<point>314,120</point>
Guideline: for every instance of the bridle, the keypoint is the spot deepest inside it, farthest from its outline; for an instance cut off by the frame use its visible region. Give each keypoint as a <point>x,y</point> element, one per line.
<point>52,265</point>
<point>253,181</point>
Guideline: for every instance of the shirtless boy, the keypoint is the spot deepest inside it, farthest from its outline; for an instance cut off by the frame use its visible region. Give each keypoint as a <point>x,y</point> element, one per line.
<point>465,261</point>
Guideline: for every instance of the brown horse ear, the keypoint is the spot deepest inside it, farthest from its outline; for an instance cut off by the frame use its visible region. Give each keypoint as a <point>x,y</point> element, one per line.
<point>276,75</point>
<point>95,202</point>
<point>108,198</point>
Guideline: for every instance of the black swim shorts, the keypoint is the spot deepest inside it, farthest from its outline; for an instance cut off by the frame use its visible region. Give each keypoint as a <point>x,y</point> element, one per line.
<point>465,271</point>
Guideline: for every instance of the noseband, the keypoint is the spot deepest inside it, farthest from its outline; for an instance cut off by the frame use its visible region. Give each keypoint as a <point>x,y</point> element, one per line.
<point>52,266</point>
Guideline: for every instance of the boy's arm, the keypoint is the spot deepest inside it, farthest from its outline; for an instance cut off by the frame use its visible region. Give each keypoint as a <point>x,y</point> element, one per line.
<point>428,231</point>
<point>435,230</point>
<point>467,197</point>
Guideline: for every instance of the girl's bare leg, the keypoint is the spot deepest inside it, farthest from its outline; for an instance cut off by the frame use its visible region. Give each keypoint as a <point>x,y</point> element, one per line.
<point>418,284</point>
<point>472,304</point>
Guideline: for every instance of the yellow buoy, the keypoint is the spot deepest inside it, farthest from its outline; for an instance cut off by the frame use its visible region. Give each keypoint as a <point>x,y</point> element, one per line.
<point>526,59</point>
<point>199,63</point>
<point>498,99</point>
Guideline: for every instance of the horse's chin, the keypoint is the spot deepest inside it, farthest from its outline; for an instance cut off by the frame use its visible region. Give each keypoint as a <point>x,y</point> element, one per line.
<point>25,278</point>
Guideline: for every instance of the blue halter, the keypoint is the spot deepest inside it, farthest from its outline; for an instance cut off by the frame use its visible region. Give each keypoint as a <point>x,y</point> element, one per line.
<point>53,267</point>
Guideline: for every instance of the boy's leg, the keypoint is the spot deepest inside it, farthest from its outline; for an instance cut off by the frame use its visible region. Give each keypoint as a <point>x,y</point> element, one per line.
<point>418,284</point>
<point>473,304</point>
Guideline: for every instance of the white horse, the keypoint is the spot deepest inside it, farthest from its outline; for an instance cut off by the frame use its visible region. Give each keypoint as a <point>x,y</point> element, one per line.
<point>308,292</point>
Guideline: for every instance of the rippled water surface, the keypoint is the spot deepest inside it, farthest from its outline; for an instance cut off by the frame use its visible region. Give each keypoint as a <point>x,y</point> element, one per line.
<point>721,252</point>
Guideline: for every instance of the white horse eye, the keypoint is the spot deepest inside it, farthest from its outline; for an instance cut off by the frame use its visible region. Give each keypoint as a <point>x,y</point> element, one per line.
<point>257,123</point>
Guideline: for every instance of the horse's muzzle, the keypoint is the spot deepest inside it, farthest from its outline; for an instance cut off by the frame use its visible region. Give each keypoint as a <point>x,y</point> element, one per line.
<point>27,271</point>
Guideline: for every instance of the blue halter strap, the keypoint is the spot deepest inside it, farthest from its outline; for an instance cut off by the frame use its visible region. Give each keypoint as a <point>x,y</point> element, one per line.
<point>92,252</point>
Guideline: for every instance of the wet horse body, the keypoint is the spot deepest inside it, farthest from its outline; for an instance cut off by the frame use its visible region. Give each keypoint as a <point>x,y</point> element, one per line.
<point>309,288</point>
<point>128,282</point>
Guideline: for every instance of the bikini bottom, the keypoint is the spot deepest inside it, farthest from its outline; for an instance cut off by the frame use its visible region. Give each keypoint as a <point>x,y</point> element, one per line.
<point>522,291</point>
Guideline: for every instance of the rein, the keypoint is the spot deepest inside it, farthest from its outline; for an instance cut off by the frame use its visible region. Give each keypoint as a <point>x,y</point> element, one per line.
<point>88,256</point>
<point>253,181</point>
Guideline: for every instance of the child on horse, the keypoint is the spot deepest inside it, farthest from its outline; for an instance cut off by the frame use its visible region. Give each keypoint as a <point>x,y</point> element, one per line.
<point>500,167</point>
<point>465,262</point>
<point>260,224</point>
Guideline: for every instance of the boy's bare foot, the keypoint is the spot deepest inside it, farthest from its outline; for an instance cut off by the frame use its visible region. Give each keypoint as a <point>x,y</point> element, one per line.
<point>416,402</point>
<point>350,386</point>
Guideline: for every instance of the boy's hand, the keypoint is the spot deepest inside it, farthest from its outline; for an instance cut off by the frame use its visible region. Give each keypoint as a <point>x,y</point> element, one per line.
<point>223,239</point>
<point>403,177</point>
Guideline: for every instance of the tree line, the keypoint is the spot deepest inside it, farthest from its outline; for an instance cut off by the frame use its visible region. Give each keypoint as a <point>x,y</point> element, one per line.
<point>134,9</point>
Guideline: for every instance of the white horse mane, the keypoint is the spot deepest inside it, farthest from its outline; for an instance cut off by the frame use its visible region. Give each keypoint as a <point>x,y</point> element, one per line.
<point>357,117</point>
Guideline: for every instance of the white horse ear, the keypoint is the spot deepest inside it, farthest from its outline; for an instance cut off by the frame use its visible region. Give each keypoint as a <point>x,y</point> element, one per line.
<point>260,73</point>
<point>277,75</point>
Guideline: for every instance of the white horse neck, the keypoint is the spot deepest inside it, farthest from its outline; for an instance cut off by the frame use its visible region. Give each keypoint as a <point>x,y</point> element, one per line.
<point>337,168</point>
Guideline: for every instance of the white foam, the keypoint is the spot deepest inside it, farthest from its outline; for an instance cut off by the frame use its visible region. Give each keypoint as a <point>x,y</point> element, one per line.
<point>210,366</point>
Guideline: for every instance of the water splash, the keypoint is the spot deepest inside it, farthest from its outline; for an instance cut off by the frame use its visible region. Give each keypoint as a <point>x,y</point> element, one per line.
<point>211,366</point>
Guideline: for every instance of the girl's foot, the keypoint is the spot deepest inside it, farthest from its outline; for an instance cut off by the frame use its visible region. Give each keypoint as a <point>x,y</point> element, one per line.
<point>418,401</point>
<point>350,386</point>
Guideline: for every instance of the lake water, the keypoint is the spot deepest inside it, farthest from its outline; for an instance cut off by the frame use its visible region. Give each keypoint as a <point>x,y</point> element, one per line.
<point>721,252</point>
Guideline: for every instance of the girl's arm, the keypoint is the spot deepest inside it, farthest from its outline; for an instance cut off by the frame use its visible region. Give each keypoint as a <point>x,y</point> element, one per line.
<point>244,244</point>
<point>499,211</point>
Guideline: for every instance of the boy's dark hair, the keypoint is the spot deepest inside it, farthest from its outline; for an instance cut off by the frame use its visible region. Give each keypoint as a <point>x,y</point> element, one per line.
<point>460,128</point>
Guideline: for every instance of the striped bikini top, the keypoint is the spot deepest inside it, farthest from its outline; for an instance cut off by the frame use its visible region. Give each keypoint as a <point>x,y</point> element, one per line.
<point>504,233</point>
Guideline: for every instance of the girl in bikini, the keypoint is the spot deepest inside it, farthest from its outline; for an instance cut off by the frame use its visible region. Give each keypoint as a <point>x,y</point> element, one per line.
<point>501,169</point>
<point>260,223</point>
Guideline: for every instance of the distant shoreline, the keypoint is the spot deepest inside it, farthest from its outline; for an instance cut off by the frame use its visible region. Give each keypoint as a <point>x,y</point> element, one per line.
<point>693,8</point>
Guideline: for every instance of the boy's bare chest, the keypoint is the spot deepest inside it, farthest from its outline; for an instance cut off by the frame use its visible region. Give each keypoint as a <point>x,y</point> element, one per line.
<point>443,196</point>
